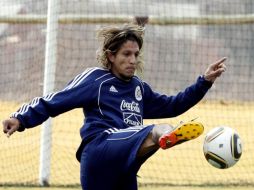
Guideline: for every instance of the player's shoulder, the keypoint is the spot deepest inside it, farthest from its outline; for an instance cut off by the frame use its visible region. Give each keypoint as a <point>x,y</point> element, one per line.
<point>143,84</point>
<point>95,70</point>
<point>139,80</point>
<point>93,73</point>
<point>88,76</point>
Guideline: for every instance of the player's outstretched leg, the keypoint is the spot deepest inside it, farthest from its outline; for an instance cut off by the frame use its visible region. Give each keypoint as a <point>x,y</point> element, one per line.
<point>182,133</point>
<point>165,136</point>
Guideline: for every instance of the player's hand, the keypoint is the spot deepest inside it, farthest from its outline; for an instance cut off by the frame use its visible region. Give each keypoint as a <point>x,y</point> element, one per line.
<point>10,126</point>
<point>215,70</point>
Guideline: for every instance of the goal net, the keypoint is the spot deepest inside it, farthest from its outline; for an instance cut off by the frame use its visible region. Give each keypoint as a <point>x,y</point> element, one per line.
<point>181,38</point>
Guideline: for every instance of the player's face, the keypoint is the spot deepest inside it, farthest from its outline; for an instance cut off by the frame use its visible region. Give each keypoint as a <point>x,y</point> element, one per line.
<point>124,62</point>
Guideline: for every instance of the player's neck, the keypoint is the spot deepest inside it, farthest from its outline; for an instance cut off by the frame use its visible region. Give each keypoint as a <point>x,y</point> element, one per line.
<point>122,77</point>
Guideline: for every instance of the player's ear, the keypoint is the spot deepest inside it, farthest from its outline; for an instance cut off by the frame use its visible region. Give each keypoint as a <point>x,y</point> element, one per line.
<point>111,56</point>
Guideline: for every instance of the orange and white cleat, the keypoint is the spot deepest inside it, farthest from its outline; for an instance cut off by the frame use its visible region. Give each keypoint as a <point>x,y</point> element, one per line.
<point>182,133</point>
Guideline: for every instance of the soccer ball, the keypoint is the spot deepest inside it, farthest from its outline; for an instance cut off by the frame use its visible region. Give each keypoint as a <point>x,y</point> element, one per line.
<point>222,147</point>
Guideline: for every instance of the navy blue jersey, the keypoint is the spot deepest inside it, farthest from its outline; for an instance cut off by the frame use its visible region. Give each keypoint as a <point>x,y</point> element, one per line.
<point>109,102</point>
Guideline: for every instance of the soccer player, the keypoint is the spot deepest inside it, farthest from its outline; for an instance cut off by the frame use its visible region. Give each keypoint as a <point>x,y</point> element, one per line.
<point>115,143</point>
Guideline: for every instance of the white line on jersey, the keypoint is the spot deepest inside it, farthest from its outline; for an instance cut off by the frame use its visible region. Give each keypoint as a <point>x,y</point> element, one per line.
<point>102,76</point>
<point>129,129</point>
<point>133,130</point>
<point>33,103</point>
<point>99,94</point>
<point>78,79</point>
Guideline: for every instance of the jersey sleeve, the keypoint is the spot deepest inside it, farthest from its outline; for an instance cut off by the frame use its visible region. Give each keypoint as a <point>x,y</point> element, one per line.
<point>76,94</point>
<point>163,106</point>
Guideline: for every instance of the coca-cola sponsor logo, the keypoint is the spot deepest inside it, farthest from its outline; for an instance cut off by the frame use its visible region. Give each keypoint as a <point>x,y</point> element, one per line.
<point>130,106</point>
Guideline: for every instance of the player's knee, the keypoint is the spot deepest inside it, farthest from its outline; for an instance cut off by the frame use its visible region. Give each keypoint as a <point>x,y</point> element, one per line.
<point>159,130</point>
<point>147,146</point>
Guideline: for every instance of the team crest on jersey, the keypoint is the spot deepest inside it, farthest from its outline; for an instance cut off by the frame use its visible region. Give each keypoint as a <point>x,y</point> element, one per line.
<point>138,94</point>
<point>132,119</point>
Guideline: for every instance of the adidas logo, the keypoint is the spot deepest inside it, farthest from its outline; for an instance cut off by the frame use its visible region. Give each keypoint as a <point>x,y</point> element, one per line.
<point>113,89</point>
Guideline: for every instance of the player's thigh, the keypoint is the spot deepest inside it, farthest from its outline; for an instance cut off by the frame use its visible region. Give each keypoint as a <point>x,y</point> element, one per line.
<point>108,160</point>
<point>95,174</point>
<point>125,144</point>
<point>99,170</point>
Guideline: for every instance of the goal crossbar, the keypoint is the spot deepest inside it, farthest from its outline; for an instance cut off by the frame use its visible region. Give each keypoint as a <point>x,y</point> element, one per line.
<point>108,18</point>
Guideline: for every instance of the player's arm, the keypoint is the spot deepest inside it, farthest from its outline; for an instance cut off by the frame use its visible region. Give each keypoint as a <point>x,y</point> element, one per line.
<point>41,108</point>
<point>37,111</point>
<point>162,106</point>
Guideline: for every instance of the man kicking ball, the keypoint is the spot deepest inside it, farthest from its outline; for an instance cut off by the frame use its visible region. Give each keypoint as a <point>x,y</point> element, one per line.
<point>115,143</point>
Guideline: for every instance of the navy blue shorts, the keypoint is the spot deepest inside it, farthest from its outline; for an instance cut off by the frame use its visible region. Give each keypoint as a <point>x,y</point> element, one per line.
<point>109,161</point>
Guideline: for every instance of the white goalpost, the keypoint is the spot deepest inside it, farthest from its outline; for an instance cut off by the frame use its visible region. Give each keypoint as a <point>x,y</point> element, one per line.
<point>48,87</point>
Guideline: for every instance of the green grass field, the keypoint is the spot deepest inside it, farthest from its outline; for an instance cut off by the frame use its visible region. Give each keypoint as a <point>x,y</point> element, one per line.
<point>184,165</point>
